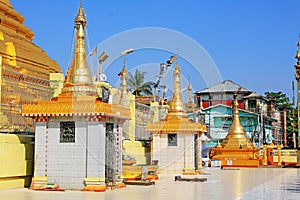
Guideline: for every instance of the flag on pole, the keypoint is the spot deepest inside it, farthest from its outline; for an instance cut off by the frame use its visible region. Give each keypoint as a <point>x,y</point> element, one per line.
<point>94,51</point>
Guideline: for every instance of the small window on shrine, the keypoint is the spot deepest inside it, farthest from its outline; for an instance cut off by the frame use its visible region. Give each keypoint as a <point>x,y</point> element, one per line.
<point>67,132</point>
<point>172,139</point>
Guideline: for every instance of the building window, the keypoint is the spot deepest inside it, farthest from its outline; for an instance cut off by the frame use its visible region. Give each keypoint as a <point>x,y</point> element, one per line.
<point>252,104</point>
<point>67,132</point>
<point>172,139</point>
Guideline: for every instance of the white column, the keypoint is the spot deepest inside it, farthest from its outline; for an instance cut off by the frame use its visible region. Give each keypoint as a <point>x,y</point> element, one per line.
<point>93,149</point>
<point>101,144</point>
<point>40,149</point>
<point>119,149</point>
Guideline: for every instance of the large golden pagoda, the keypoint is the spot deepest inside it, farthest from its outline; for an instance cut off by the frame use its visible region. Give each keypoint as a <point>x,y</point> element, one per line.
<point>236,149</point>
<point>173,138</point>
<point>24,68</point>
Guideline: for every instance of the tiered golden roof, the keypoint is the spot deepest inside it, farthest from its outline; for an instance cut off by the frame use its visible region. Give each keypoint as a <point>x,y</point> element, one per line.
<point>176,120</point>
<point>79,94</point>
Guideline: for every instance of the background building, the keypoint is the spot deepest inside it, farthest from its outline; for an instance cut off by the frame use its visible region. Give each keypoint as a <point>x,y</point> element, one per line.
<point>260,116</point>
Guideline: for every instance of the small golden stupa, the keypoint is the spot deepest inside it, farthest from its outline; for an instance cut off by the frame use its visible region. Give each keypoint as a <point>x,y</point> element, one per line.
<point>236,149</point>
<point>79,94</point>
<point>176,120</point>
<point>78,134</point>
<point>174,145</point>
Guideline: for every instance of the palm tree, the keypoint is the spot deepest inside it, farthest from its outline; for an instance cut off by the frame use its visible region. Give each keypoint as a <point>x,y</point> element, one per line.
<point>137,85</point>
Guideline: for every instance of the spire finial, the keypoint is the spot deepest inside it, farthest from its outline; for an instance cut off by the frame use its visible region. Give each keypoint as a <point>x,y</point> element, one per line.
<point>190,85</point>
<point>80,19</point>
<point>176,102</point>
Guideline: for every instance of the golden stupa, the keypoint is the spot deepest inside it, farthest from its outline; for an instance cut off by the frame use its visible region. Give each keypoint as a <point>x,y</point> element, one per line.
<point>176,120</point>
<point>173,139</point>
<point>236,149</point>
<point>79,96</point>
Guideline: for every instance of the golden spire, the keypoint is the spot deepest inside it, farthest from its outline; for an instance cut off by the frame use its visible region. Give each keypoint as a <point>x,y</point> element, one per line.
<point>176,120</point>
<point>190,92</point>
<point>79,81</point>
<point>236,127</point>
<point>176,102</point>
<point>124,77</point>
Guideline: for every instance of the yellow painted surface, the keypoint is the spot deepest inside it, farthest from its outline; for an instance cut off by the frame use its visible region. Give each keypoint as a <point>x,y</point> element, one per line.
<point>13,138</point>
<point>16,160</point>
<point>131,172</point>
<point>56,84</point>
<point>240,163</point>
<point>131,99</point>
<point>286,156</point>
<point>94,179</point>
<point>14,182</point>
<point>15,168</point>
<point>12,152</point>
<point>136,150</point>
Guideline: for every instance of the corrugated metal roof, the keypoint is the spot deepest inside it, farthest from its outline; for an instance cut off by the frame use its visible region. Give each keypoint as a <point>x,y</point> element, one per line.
<point>225,86</point>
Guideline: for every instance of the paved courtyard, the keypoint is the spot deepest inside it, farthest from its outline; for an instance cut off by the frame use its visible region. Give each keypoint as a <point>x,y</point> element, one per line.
<point>252,184</point>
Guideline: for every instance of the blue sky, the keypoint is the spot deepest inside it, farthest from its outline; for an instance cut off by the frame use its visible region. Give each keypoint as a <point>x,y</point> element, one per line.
<point>252,43</point>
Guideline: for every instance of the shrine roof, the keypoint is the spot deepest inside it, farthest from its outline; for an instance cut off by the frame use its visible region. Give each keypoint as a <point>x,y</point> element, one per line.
<point>75,108</point>
<point>174,125</point>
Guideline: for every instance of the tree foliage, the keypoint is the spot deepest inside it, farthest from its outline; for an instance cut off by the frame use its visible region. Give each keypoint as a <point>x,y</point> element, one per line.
<point>283,101</point>
<point>137,85</point>
<point>280,98</point>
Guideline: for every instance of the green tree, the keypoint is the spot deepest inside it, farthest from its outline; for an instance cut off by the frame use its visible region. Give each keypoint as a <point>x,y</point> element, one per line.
<point>137,85</point>
<point>280,98</point>
<point>283,101</point>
